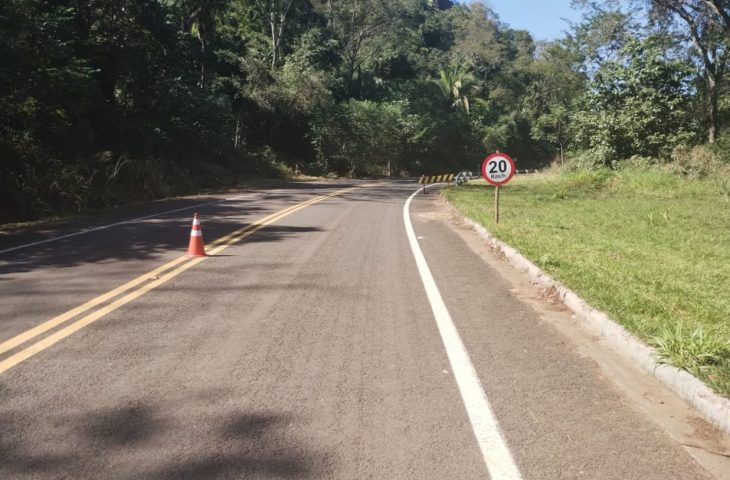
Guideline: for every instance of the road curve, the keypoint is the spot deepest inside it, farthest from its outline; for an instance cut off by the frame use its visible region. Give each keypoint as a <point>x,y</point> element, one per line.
<point>308,349</point>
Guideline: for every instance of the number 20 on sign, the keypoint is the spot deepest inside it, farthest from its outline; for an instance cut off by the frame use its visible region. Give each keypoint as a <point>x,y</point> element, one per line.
<point>498,169</point>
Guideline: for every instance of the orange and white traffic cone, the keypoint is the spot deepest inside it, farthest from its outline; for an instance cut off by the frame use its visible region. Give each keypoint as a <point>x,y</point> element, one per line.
<point>196,247</point>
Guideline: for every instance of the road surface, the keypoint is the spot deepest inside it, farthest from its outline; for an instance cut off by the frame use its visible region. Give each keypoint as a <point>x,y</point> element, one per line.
<point>308,347</point>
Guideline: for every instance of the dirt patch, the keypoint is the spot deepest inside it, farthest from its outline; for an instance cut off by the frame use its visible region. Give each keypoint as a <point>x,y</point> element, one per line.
<point>708,438</point>
<point>550,295</point>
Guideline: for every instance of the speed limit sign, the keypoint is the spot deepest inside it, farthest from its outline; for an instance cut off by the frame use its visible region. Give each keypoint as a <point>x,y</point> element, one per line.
<point>498,169</point>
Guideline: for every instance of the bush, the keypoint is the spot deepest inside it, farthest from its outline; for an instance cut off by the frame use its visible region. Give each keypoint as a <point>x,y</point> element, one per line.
<point>589,180</point>
<point>699,161</point>
<point>582,160</point>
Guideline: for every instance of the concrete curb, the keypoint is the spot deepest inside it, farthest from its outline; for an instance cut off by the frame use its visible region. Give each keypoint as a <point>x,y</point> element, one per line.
<point>716,409</point>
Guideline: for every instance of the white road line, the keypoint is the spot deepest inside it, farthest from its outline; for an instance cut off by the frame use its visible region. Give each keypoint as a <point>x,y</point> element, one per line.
<point>496,453</point>
<point>104,227</point>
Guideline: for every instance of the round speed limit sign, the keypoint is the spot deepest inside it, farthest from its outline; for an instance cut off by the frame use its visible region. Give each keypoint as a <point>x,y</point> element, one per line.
<point>498,169</point>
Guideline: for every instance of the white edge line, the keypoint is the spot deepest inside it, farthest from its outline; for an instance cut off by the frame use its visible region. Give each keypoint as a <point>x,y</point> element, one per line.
<point>104,227</point>
<point>716,409</point>
<point>496,453</point>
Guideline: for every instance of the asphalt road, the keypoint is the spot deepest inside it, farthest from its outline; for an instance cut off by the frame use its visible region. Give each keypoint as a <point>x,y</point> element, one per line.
<point>306,349</point>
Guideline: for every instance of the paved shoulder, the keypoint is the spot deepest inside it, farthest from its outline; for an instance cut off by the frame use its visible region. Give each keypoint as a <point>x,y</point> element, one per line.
<point>560,416</point>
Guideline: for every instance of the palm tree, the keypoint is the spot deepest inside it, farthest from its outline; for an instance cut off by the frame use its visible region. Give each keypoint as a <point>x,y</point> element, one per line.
<point>455,83</point>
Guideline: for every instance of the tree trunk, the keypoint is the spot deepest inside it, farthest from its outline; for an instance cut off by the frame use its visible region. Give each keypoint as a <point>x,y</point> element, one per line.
<point>713,115</point>
<point>202,63</point>
<point>332,16</point>
<point>350,77</point>
<point>277,19</point>
<point>237,137</point>
<point>710,53</point>
<point>274,40</point>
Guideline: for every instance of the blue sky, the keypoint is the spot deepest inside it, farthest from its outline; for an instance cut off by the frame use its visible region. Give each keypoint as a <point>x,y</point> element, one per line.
<point>542,18</point>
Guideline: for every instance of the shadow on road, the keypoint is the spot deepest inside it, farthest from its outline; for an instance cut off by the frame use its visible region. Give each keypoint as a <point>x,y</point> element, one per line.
<point>169,232</point>
<point>125,426</point>
<point>141,441</point>
<point>140,240</point>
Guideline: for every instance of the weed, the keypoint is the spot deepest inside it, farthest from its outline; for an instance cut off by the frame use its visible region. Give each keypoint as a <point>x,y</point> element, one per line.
<point>546,261</point>
<point>658,219</point>
<point>699,352</point>
<point>560,194</point>
<point>694,350</point>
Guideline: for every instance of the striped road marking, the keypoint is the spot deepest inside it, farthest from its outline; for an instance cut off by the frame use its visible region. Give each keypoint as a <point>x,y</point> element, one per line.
<point>496,453</point>
<point>136,288</point>
<point>436,178</point>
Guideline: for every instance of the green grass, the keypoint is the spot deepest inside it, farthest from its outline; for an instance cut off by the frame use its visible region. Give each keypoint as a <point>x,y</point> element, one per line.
<point>647,246</point>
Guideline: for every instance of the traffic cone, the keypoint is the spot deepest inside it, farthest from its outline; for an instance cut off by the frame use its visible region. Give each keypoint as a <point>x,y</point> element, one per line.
<point>196,247</point>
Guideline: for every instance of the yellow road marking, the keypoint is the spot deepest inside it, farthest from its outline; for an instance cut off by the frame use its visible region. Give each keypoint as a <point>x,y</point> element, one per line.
<point>54,338</point>
<point>219,245</point>
<point>62,318</point>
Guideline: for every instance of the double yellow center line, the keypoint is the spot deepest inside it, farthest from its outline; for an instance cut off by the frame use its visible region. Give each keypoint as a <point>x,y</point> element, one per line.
<point>134,289</point>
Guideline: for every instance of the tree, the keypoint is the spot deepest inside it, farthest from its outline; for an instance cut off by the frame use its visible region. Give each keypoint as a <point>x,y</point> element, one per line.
<point>357,25</point>
<point>275,11</point>
<point>601,33</point>
<point>554,86</point>
<point>555,79</point>
<point>362,137</point>
<point>479,40</point>
<point>706,26</point>
<point>108,101</point>
<point>555,127</point>
<point>636,105</point>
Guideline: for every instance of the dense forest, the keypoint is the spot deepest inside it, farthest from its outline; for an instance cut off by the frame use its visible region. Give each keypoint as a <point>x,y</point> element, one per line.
<point>104,102</point>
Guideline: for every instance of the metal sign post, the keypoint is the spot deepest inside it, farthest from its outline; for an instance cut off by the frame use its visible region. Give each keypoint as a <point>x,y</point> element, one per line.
<point>496,204</point>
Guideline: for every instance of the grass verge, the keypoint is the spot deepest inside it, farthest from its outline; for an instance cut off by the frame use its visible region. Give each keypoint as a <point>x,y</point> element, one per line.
<point>647,246</point>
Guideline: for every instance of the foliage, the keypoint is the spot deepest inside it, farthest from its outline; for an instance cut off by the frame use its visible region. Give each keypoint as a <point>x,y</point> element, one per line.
<point>706,26</point>
<point>696,351</point>
<point>362,137</point>
<point>455,85</point>
<point>555,127</point>
<point>636,105</point>
<point>106,102</point>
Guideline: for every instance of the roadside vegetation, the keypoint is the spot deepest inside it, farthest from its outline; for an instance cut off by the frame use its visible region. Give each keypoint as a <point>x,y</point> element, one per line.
<point>110,102</point>
<point>647,244</point>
